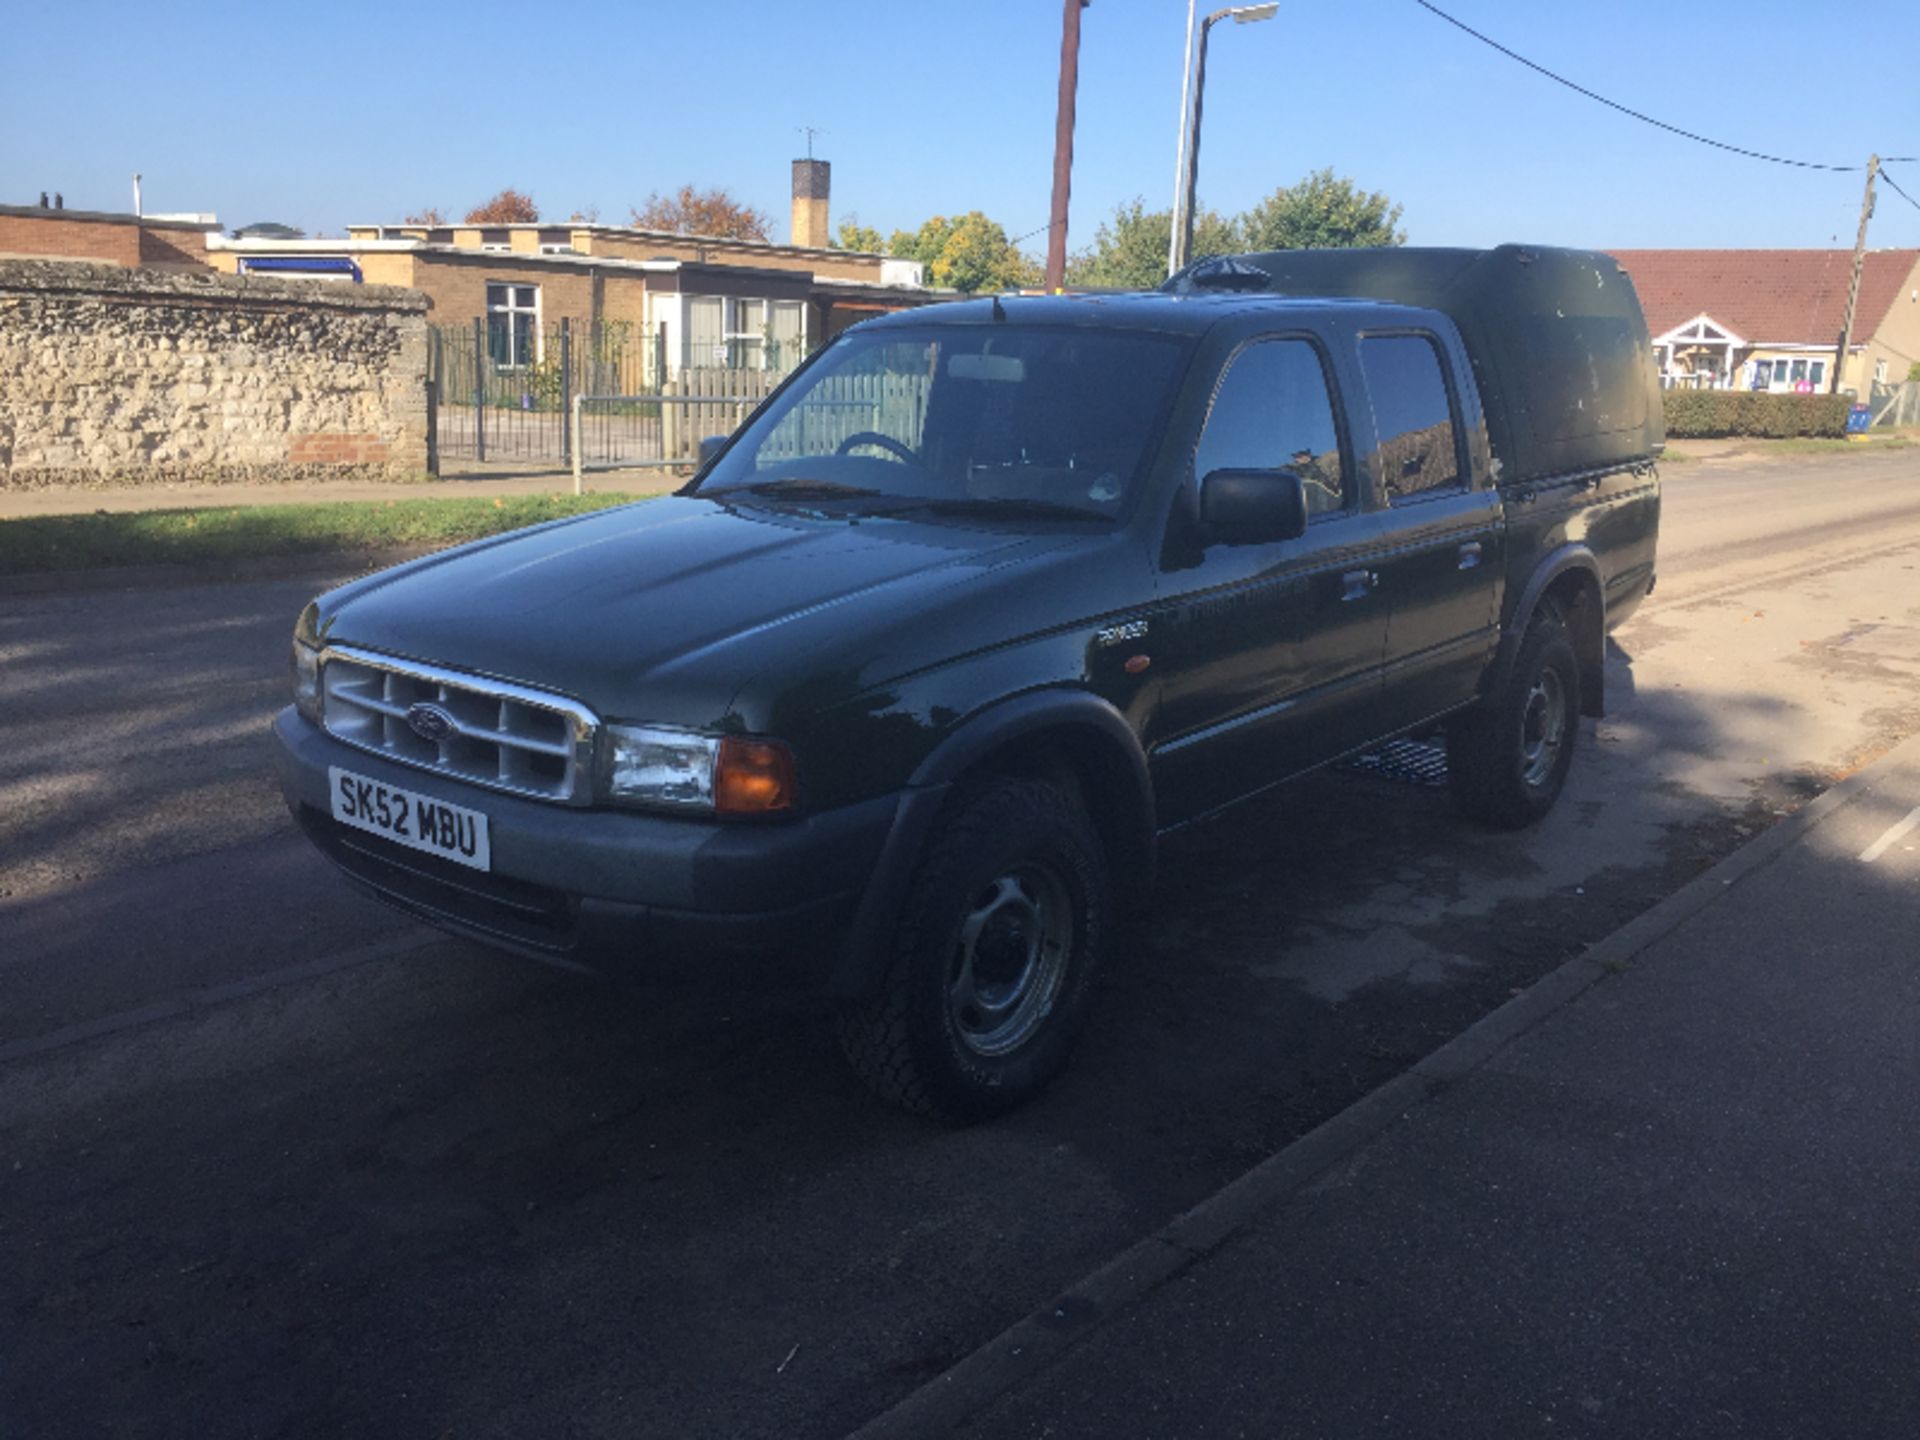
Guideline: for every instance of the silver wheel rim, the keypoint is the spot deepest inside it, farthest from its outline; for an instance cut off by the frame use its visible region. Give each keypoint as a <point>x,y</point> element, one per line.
<point>1543,728</point>
<point>1010,959</point>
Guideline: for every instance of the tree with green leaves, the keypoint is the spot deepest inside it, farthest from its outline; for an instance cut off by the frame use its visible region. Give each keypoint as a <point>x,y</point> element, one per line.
<point>1322,211</point>
<point>1129,252</point>
<point>968,253</point>
<point>924,244</point>
<point>979,256</point>
<point>852,235</point>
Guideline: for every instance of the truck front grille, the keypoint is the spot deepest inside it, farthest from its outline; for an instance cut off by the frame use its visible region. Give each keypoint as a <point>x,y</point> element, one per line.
<point>488,732</point>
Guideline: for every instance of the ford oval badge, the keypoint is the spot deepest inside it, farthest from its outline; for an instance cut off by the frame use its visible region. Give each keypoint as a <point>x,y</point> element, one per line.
<point>429,722</point>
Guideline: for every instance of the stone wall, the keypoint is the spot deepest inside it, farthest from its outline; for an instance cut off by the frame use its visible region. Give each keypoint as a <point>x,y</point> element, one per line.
<point>136,377</point>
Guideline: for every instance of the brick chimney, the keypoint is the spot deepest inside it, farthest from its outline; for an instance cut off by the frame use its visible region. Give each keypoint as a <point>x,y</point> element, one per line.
<point>810,183</point>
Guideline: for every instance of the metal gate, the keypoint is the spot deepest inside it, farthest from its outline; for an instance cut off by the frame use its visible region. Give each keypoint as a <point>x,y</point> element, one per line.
<point>518,397</point>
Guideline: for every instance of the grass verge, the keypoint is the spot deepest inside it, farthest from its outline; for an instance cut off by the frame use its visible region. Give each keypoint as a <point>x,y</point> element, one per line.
<point>213,536</point>
<point>1810,445</point>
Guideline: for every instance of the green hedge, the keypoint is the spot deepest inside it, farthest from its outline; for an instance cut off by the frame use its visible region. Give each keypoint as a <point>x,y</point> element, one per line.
<point>1701,413</point>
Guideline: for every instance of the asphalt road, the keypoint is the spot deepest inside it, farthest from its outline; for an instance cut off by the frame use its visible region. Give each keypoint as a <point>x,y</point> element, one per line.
<point>274,1161</point>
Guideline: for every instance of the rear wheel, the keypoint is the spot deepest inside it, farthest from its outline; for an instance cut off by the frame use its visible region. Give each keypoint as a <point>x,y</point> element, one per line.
<point>1508,757</point>
<point>994,957</point>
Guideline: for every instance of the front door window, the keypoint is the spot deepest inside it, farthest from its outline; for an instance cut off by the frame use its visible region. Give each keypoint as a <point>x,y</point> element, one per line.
<point>1272,412</point>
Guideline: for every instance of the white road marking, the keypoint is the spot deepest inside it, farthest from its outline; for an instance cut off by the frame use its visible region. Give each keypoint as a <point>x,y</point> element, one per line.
<point>1896,832</point>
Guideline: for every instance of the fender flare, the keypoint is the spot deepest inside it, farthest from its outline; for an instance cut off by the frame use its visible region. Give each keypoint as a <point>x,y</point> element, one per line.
<point>1568,557</point>
<point>864,955</point>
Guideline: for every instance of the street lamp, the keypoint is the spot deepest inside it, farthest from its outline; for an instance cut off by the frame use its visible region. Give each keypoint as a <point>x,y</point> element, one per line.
<point>1181,242</point>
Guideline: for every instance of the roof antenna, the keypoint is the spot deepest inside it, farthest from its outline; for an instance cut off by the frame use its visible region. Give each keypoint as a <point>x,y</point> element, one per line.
<point>999,310</point>
<point>810,131</point>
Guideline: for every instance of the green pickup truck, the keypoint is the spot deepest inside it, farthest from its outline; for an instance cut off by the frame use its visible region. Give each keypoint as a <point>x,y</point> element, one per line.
<point>906,683</point>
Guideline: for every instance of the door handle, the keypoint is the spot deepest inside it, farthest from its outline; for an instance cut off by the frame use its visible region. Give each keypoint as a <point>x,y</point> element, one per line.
<point>1358,584</point>
<point>1470,555</point>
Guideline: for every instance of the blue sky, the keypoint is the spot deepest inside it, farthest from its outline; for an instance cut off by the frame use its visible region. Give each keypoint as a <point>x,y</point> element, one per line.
<point>318,116</point>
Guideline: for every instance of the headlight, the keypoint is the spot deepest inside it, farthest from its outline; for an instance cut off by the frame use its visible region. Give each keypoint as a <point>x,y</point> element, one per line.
<point>306,664</point>
<point>306,682</point>
<point>685,770</point>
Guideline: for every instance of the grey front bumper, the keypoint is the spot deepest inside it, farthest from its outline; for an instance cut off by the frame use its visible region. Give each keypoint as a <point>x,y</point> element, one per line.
<point>605,888</point>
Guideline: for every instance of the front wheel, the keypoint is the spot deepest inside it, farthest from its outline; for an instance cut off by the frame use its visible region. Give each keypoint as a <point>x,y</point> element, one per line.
<point>1508,757</point>
<point>994,957</point>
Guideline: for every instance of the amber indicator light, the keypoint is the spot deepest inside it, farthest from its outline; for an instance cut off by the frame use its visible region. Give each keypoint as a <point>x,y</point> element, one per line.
<point>1137,663</point>
<point>753,777</point>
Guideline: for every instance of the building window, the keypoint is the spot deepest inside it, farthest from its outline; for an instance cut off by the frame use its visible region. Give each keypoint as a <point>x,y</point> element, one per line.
<point>556,249</point>
<point>747,335</point>
<point>706,331</point>
<point>740,334</point>
<point>1880,372</point>
<point>788,331</point>
<point>513,324</point>
<point>1784,376</point>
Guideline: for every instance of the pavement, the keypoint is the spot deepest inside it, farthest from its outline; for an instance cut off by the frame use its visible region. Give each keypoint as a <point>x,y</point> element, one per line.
<point>1667,1190</point>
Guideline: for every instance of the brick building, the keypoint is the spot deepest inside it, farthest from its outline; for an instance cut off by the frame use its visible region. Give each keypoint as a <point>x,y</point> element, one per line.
<point>41,233</point>
<point>700,300</point>
<point>709,301</point>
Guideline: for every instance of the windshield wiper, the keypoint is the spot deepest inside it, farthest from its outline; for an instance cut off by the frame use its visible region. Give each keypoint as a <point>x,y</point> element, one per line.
<point>996,505</point>
<point>797,487</point>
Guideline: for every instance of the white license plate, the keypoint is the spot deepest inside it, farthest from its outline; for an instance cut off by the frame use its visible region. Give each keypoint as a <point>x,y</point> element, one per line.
<point>408,818</point>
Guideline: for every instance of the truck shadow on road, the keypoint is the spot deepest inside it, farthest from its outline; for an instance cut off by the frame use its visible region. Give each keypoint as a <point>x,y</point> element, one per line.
<point>420,1172</point>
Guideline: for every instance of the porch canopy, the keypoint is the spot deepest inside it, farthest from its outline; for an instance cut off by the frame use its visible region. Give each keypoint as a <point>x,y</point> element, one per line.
<point>1707,347</point>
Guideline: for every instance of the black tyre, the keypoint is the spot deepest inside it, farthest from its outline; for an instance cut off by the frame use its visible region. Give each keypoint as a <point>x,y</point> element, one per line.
<point>994,957</point>
<point>1508,757</point>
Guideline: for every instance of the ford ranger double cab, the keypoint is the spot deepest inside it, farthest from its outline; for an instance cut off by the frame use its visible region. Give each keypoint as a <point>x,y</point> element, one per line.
<point>907,681</point>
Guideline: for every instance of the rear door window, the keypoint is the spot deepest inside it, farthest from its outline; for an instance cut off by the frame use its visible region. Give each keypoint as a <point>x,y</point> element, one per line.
<point>1412,416</point>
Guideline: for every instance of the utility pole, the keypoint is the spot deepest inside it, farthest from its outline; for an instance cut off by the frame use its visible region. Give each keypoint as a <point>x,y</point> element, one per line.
<point>1063,145</point>
<point>1853,285</point>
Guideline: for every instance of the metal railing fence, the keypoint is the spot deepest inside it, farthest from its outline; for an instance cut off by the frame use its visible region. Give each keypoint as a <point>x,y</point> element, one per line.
<point>500,394</point>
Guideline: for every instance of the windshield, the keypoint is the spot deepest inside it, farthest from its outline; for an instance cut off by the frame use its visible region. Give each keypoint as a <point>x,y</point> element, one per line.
<point>993,419</point>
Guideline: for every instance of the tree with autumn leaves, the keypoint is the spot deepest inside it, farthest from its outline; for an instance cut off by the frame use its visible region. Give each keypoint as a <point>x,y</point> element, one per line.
<point>509,207</point>
<point>689,211</point>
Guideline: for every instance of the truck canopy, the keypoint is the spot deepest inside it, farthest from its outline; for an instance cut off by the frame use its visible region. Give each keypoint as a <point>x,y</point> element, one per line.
<point>1557,339</point>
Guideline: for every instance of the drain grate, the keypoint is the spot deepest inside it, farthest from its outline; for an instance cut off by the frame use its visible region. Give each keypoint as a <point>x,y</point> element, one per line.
<point>1412,762</point>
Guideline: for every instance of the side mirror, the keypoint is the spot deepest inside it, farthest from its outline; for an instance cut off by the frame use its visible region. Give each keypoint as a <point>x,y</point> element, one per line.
<point>1249,507</point>
<point>711,446</point>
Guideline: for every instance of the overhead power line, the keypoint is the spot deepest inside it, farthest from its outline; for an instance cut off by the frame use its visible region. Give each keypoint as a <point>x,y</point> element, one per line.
<point>1894,186</point>
<point>1627,109</point>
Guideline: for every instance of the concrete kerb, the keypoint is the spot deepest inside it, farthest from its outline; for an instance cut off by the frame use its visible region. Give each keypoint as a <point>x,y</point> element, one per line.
<point>1030,1345</point>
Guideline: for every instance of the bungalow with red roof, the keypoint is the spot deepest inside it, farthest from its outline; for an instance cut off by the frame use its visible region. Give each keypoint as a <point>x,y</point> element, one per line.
<point>1771,319</point>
